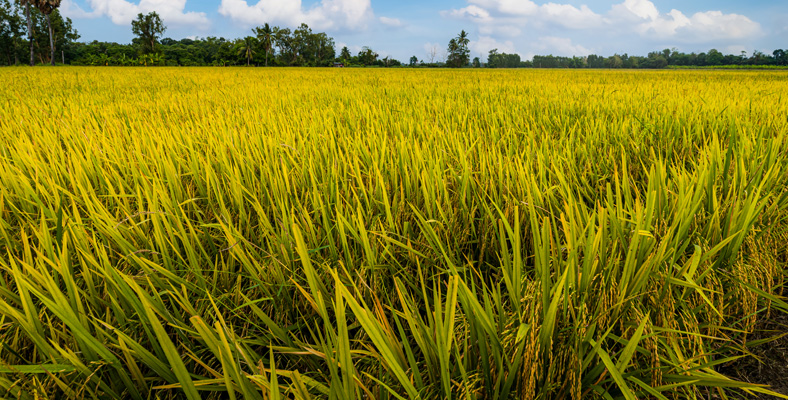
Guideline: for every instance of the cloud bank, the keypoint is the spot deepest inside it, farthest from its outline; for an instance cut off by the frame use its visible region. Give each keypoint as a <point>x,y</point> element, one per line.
<point>328,14</point>
<point>500,21</point>
<point>122,12</point>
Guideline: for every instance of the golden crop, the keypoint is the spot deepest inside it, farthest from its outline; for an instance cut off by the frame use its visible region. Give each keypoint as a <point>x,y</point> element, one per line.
<point>320,233</point>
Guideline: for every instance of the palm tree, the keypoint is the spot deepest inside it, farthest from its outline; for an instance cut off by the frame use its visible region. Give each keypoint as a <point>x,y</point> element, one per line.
<point>267,37</point>
<point>462,38</point>
<point>247,49</point>
<point>458,50</point>
<point>46,7</point>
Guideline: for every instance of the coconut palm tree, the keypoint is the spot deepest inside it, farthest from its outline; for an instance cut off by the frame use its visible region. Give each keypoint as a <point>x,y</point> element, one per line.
<point>458,50</point>
<point>462,38</point>
<point>46,7</point>
<point>267,37</point>
<point>247,48</point>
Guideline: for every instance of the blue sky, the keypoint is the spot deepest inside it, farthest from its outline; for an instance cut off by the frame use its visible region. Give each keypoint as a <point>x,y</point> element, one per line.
<point>423,28</point>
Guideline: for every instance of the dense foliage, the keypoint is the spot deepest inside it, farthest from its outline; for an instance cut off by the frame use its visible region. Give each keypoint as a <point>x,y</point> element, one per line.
<point>148,28</point>
<point>14,43</point>
<point>458,52</point>
<point>373,234</point>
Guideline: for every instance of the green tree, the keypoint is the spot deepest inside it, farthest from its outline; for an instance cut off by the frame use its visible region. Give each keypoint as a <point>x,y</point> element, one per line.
<point>780,57</point>
<point>284,41</point>
<point>367,56</point>
<point>492,58</point>
<point>52,33</point>
<point>46,7</point>
<point>301,44</point>
<point>714,57</point>
<point>322,47</point>
<point>459,54</point>
<point>452,50</point>
<point>503,60</point>
<point>477,63</point>
<point>266,35</point>
<point>248,48</point>
<point>615,61</point>
<point>345,54</point>
<point>413,61</point>
<point>29,17</point>
<point>148,29</point>
<point>10,31</point>
<point>312,49</point>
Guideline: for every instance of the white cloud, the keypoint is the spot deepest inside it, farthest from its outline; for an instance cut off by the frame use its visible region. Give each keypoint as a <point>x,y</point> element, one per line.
<point>393,22</point>
<point>570,16</point>
<point>561,47</point>
<point>328,14</point>
<point>510,18</point>
<point>708,26</point>
<point>72,10</point>
<point>701,27</point>
<point>471,12</point>
<point>635,9</point>
<point>483,46</point>
<point>521,12</point>
<point>122,12</point>
<point>510,7</point>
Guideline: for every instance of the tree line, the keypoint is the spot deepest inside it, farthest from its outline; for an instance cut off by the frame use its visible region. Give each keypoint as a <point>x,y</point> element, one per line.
<point>34,32</point>
<point>458,56</point>
<point>267,46</point>
<point>657,59</point>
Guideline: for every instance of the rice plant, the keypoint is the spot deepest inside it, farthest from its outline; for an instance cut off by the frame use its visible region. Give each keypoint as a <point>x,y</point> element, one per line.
<point>419,234</point>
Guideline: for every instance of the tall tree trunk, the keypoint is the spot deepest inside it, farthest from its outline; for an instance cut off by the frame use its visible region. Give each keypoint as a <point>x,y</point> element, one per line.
<point>51,41</point>
<point>266,57</point>
<point>30,33</point>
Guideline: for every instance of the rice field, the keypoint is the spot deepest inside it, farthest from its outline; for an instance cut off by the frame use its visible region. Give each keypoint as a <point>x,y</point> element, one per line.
<point>388,234</point>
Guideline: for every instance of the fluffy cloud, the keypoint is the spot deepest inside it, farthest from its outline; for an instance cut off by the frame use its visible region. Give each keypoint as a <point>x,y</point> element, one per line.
<point>122,12</point>
<point>483,46</point>
<point>508,7</point>
<point>560,46</point>
<point>635,9</point>
<point>513,12</point>
<point>472,12</point>
<point>708,26</point>
<point>701,27</point>
<point>328,14</point>
<point>570,16</point>
<point>508,18</point>
<point>392,22</point>
<point>70,9</point>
